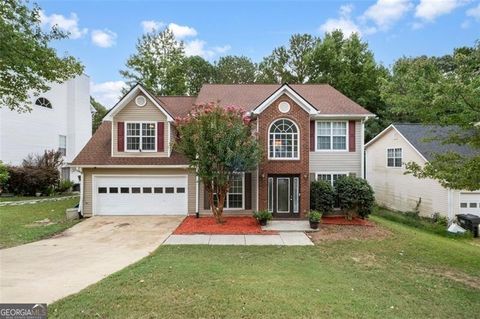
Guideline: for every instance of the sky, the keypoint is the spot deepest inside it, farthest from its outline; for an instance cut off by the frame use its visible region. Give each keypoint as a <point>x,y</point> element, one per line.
<point>103,34</point>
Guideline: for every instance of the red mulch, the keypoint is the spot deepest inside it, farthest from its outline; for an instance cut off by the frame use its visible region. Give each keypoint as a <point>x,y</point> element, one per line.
<point>244,225</point>
<point>341,220</point>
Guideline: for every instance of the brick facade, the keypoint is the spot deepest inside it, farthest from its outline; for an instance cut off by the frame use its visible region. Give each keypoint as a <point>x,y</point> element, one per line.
<point>298,167</point>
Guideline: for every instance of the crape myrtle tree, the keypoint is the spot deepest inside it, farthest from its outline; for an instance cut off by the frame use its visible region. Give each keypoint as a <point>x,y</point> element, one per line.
<point>218,142</point>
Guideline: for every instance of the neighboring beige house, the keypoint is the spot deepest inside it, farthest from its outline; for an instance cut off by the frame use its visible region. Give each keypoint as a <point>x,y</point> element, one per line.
<point>385,158</point>
<point>307,132</point>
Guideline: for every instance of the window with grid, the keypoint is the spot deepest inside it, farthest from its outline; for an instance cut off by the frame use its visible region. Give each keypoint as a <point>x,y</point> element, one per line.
<point>283,140</point>
<point>141,136</point>
<point>331,135</point>
<point>394,157</point>
<point>234,199</point>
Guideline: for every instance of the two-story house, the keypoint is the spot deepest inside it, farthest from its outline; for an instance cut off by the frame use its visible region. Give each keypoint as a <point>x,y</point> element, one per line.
<point>308,132</point>
<point>60,119</point>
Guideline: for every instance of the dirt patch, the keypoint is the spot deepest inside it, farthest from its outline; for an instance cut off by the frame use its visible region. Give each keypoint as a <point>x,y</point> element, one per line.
<point>122,225</point>
<point>41,223</point>
<point>347,232</point>
<point>470,281</point>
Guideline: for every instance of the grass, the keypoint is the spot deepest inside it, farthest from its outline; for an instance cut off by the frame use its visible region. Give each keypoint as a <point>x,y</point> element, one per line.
<point>17,223</point>
<point>423,223</point>
<point>411,274</point>
<point>19,198</point>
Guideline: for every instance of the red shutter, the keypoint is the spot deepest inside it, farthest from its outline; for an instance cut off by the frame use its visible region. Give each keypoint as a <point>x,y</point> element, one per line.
<point>351,136</point>
<point>312,136</point>
<point>120,136</point>
<point>160,137</point>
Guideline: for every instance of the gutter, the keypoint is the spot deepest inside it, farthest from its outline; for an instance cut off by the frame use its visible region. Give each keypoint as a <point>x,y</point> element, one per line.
<point>80,204</point>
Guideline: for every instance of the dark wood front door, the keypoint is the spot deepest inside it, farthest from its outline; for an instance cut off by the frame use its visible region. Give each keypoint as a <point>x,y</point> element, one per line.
<point>284,195</point>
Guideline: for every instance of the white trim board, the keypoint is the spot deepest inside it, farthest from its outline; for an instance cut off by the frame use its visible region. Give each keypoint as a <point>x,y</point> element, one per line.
<point>128,97</point>
<point>287,90</point>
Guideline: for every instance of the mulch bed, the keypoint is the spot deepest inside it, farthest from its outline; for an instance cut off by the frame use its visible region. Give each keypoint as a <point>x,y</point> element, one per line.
<point>244,225</point>
<point>341,220</point>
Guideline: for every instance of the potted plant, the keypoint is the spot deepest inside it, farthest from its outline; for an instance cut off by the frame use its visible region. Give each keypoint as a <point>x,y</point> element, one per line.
<point>314,218</point>
<point>262,216</point>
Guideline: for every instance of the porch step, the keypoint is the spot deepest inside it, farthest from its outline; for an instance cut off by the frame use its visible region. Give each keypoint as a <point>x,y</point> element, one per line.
<point>289,226</point>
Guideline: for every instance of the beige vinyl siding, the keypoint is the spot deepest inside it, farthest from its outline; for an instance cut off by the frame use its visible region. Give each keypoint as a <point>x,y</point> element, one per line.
<point>132,113</point>
<point>339,161</point>
<point>402,192</point>
<point>88,179</point>
<point>234,211</point>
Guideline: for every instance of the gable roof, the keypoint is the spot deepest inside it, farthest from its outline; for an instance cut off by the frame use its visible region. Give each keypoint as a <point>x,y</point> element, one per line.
<point>98,152</point>
<point>287,90</point>
<point>129,96</point>
<point>424,139</point>
<point>324,98</point>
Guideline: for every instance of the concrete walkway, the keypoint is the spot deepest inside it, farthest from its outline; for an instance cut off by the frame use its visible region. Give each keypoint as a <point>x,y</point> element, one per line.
<point>282,239</point>
<point>50,269</point>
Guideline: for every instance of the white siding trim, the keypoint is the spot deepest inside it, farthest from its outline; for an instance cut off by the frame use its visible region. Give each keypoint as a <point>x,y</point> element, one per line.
<point>285,89</point>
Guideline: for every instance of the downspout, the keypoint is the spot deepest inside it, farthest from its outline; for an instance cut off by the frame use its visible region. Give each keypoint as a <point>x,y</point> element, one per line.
<point>258,181</point>
<point>197,191</point>
<point>362,148</point>
<point>450,205</point>
<point>80,204</point>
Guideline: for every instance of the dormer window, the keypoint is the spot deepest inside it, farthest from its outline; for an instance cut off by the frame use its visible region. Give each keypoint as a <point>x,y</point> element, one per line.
<point>43,102</point>
<point>141,136</point>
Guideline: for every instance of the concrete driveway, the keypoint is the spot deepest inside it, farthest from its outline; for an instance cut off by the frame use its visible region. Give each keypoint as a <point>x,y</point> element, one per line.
<point>47,270</point>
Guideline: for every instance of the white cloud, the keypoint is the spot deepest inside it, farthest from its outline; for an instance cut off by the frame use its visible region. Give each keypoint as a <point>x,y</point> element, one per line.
<point>182,31</point>
<point>104,38</point>
<point>69,25</point>
<point>474,12</point>
<point>151,25</point>
<point>344,22</point>
<point>223,49</point>
<point>385,13</point>
<point>108,93</point>
<point>198,47</point>
<point>429,10</point>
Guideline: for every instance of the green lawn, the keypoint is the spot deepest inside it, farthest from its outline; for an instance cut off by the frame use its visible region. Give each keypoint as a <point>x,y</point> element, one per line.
<point>19,198</point>
<point>411,274</point>
<point>17,223</point>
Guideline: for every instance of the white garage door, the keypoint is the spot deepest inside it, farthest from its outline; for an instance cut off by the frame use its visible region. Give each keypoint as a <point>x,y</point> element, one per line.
<point>140,195</point>
<point>470,203</point>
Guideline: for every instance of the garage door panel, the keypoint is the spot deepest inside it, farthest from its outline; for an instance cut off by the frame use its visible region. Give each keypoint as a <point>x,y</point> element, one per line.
<point>140,195</point>
<point>470,203</point>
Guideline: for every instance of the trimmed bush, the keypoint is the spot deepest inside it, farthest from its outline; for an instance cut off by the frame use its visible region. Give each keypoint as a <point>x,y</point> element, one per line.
<point>355,196</point>
<point>322,196</point>
<point>4,176</point>
<point>65,186</point>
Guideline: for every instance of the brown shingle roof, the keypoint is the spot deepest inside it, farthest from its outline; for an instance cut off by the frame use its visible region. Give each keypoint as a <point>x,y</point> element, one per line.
<point>98,152</point>
<point>323,97</point>
<point>177,105</point>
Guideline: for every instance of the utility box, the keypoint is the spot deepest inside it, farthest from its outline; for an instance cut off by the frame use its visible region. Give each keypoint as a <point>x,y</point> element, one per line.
<point>469,222</point>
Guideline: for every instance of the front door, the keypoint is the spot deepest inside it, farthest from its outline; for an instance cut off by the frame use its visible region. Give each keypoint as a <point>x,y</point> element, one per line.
<point>284,195</point>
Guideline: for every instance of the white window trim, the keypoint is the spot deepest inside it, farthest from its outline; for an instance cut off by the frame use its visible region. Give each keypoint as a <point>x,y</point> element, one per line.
<point>331,174</point>
<point>331,136</point>
<point>270,207</point>
<point>140,150</point>
<point>298,142</point>
<point>386,157</point>
<point>243,197</point>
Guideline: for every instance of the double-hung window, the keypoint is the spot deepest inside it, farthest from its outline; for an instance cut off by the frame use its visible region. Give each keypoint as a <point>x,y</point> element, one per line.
<point>234,199</point>
<point>332,135</point>
<point>141,137</point>
<point>330,177</point>
<point>62,144</point>
<point>394,157</point>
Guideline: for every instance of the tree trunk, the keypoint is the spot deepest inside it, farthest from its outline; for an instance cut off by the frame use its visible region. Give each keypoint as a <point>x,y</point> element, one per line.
<point>217,210</point>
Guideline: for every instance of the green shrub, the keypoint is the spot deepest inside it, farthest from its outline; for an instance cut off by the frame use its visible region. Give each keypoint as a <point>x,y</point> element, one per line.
<point>65,186</point>
<point>322,196</point>
<point>355,196</point>
<point>4,176</point>
<point>262,215</point>
<point>314,216</point>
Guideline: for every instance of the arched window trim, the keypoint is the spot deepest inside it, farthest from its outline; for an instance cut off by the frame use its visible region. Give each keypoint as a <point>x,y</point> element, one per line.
<point>43,102</point>
<point>295,136</point>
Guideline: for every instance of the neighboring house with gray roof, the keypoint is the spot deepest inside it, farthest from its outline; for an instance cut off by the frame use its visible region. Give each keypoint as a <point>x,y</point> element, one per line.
<point>385,158</point>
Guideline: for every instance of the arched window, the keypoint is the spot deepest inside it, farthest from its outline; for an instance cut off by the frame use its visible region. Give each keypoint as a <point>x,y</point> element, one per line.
<point>41,101</point>
<point>283,140</point>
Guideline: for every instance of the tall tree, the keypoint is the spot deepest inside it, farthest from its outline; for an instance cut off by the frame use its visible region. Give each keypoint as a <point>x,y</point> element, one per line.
<point>235,70</point>
<point>100,112</point>
<point>198,71</point>
<point>218,142</point>
<point>157,64</point>
<point>348,65</point>
<point>27,63</point>
<point>288,64</point>
<point>424,90</point>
